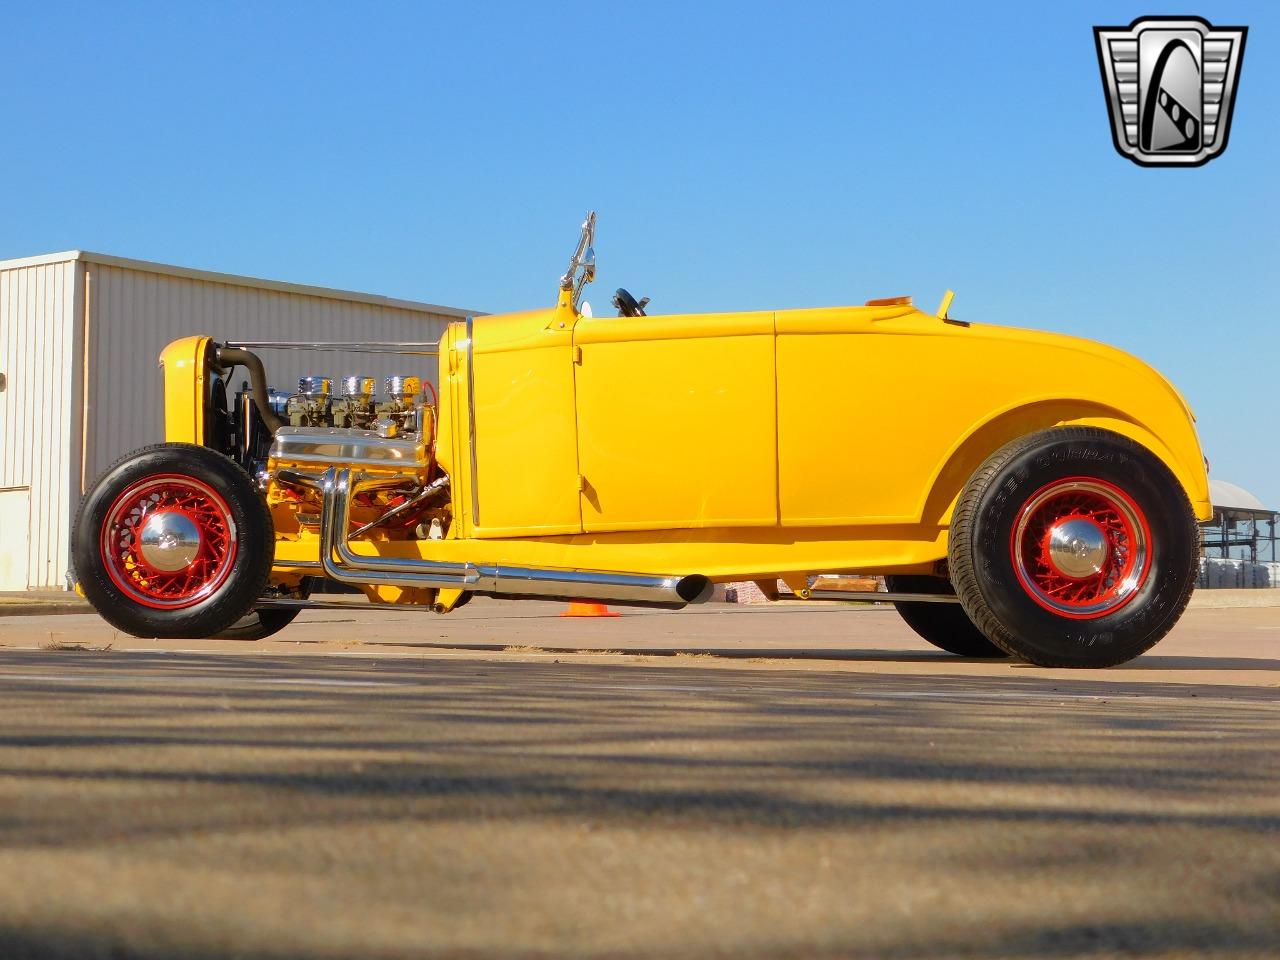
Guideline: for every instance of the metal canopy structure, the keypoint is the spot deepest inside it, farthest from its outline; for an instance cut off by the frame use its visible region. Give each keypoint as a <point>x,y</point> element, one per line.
<point>1240,523</point>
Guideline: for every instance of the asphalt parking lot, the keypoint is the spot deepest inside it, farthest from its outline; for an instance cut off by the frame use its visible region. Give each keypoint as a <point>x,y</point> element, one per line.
<point>786,781</point>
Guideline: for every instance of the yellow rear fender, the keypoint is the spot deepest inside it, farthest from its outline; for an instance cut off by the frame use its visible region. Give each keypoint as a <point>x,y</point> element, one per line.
<point>1182,456</point>
<point>1186,461</point>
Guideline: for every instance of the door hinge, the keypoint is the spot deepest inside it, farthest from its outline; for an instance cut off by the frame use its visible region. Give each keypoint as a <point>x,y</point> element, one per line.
<point>582,484</point>
<point>577,355</point>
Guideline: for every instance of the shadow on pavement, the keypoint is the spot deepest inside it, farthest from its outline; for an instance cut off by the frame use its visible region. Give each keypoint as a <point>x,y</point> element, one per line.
<point>748,778</point>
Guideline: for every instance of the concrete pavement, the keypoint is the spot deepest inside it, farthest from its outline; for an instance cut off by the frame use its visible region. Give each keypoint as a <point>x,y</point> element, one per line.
<point>1209,645</point>
<point>35,603</point>
<point>741,783</point>
<point>28,603</point>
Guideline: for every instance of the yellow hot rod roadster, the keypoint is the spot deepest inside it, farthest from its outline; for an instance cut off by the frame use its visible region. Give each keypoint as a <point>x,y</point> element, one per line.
<point>1023,493</point>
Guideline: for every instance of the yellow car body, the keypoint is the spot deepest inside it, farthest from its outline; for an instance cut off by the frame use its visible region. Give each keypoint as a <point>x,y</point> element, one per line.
<point>741,446</point>
<point>1023,493</point>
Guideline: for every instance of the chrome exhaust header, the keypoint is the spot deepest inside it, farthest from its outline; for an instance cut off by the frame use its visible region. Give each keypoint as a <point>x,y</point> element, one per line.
<point>341,563</point>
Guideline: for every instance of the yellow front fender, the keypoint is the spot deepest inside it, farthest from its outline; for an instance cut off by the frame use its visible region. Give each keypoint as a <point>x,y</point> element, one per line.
<point>185,365</point>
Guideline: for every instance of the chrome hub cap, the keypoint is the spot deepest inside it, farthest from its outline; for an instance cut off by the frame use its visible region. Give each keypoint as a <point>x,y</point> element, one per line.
<point>1077,548</point>
<point>169,541</point>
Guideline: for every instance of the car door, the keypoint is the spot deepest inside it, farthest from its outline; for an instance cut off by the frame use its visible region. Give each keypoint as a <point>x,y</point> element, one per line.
<point>517,384</point>
<point>676,421</point>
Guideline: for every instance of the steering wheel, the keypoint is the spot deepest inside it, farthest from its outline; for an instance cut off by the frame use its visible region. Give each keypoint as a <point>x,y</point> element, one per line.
<point>629,306</point>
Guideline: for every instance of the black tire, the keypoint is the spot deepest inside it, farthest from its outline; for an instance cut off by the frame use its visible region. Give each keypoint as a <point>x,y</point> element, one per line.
<point>235,545</point>
<point>1009,580</point>
<point>259,624</point>
<point>945,625</point>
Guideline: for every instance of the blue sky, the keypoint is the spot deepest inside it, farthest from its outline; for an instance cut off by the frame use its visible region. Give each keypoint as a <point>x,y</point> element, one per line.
<point>741,156</point>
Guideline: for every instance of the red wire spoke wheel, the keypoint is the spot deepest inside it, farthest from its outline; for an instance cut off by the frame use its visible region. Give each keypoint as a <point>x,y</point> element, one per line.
<point>174,541</point>
<point>169,541</point>
<point>1073,547</point>
<point>1081,547</point>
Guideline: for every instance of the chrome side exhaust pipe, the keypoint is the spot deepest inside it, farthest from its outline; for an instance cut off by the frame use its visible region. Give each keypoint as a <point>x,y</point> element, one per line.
<point>344,565</point>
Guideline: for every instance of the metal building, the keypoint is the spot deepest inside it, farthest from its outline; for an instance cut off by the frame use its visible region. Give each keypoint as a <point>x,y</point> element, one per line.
<point>80,334</point>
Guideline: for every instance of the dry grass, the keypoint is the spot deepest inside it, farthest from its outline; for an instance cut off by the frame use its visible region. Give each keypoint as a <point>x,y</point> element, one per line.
<point>695,655</point>
<point>522,649</point>
<point>599,653</point>
<point>59,646</point>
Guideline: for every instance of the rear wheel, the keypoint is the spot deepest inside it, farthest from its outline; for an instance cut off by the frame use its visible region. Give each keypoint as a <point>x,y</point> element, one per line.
<point>1074,547</point>
<point>945,625</point>
<point>263,621</point>
<point>259,624</point>
<point>173,541</point>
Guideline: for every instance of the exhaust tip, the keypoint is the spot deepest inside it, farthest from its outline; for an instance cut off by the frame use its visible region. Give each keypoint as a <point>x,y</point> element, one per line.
<point>694,589</point>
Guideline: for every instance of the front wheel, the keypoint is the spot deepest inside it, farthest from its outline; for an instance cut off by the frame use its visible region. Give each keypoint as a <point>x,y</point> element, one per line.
<point>1074,547</point>
<point>173,541</point>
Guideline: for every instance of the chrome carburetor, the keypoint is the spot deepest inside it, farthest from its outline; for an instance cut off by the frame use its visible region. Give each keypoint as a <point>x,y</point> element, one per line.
<point>355,408</point>
<point>399,414</point>
<point>311,405</point>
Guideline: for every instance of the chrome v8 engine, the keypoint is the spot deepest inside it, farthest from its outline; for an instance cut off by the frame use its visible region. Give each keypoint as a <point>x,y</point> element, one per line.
<point>391,446</point>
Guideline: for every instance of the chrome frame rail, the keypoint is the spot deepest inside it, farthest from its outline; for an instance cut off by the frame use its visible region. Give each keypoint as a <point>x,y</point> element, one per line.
<point>882,597</point>
<point>288,603</point>
<point>358,605</point>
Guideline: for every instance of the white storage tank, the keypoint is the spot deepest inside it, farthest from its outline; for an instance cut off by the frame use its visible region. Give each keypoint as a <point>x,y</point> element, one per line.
<point>80,386</point>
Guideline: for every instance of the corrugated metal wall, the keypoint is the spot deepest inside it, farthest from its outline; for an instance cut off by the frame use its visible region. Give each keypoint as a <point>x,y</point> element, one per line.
<point>132,315</point>
<point>49,305</point>
<point>39,413</point>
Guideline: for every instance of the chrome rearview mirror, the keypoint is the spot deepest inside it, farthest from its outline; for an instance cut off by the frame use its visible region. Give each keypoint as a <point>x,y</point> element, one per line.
<point>582,265</point>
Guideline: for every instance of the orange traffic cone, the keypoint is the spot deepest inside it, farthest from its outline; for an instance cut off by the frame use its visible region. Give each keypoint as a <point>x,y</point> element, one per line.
<point>580,608</point>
